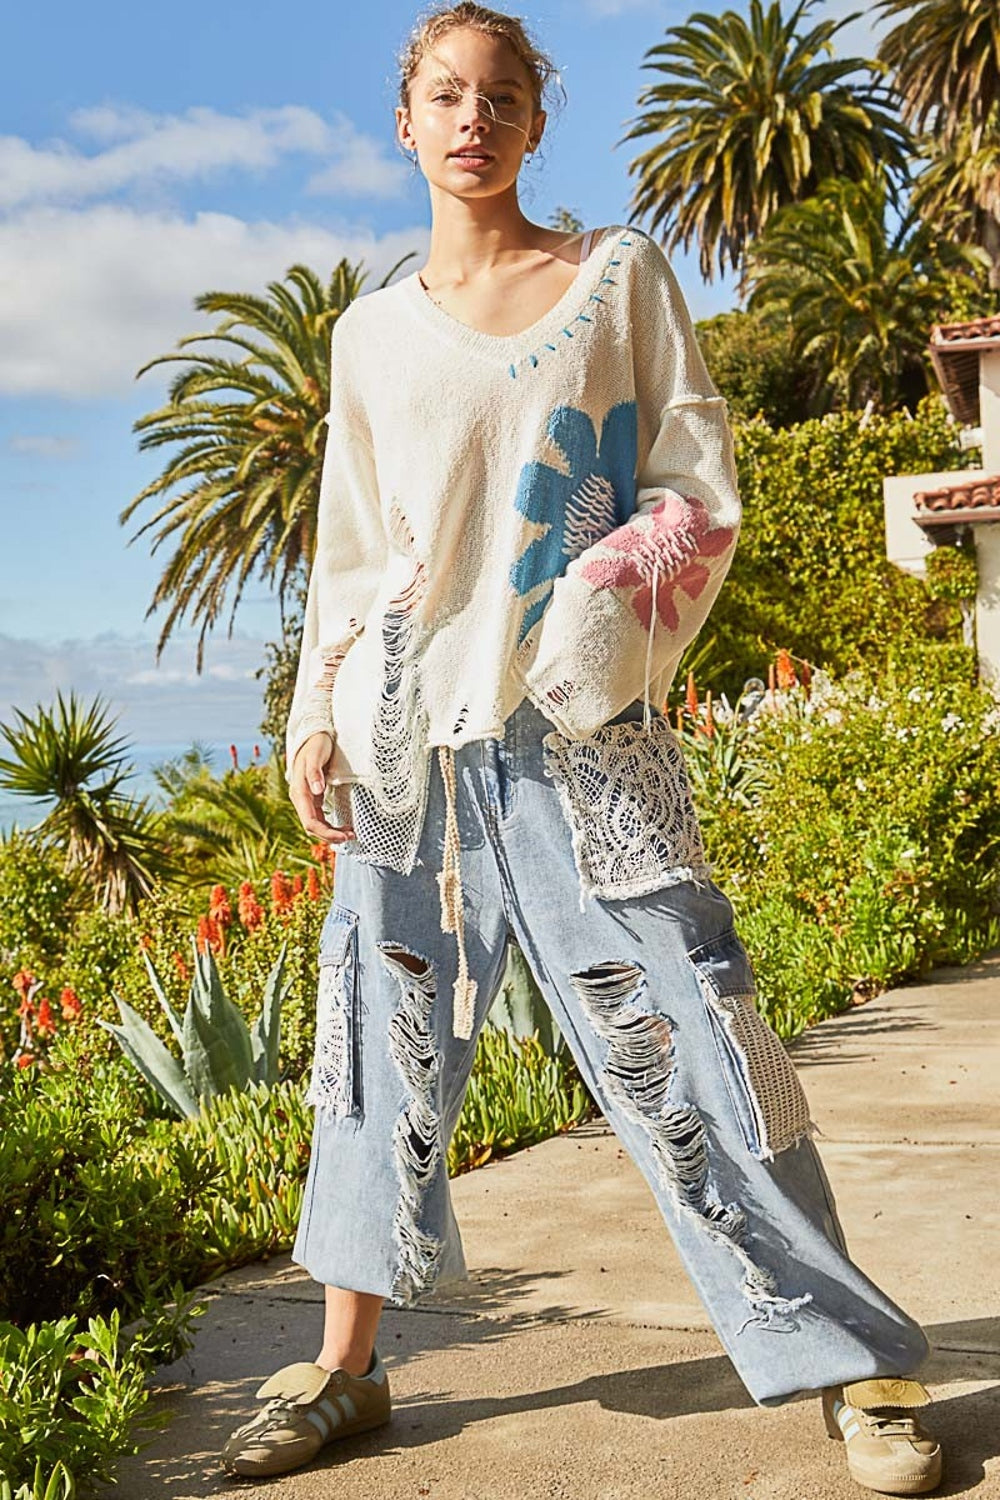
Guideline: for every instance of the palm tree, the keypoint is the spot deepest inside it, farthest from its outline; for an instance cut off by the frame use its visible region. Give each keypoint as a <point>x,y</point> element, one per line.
<point>250,429</point>
<point>747,117</point>
<point>945,60</point>
<point>71,758</point>
<point>858,301</point>
<point>231,828</point>
<point>958,190</point>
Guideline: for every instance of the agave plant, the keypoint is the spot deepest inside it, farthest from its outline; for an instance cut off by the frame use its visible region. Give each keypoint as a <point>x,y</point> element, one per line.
<point>520,1008</point>
<point>218,1051</point>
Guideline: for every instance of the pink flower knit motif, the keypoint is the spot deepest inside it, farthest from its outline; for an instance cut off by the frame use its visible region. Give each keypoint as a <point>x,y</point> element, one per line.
<point>680,536</point>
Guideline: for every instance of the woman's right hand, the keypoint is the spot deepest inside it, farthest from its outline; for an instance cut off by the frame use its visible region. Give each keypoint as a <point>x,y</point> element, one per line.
<point>307,786</point>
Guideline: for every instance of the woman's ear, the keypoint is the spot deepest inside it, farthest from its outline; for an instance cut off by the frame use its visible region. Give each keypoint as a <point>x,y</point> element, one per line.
<point>404,130</point>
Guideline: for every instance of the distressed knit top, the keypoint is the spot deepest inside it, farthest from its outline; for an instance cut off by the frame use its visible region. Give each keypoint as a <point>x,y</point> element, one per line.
<point>548,514</point>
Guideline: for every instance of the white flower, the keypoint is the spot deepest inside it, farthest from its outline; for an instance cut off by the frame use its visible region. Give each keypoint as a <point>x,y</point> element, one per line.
<point>833,716</point>
<point>915,695</point>
<point>952,721</point>
<point>862,786</point>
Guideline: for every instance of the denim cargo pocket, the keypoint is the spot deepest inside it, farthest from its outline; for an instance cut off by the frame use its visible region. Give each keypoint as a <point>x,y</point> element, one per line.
<point>625,792</point>
<point>767,1096</point>
<point>335,1084</point>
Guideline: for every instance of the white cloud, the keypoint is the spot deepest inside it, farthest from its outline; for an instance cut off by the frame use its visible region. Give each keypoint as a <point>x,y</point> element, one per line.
<point>43,445</point>
<point>139,148</point>
<point>605,8</point>
<point>165,704</point>
<point>82,324</point>
<point>98,271</point>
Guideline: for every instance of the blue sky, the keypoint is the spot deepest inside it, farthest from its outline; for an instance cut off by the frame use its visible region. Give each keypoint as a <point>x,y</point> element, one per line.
<point>148,154</point>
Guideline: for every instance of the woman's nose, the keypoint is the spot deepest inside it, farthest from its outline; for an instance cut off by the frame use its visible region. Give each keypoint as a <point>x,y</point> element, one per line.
<point>476,110</point>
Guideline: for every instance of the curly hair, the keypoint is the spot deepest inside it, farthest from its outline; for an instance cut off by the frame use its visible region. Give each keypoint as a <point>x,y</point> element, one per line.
<point>436,23</point>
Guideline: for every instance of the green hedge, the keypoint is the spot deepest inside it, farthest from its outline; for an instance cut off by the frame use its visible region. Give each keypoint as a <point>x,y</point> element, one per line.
<point>810,572</point>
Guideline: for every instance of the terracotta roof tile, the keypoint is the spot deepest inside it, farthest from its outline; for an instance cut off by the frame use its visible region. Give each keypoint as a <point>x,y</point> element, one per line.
<point>964,495</point>
<point>979,328</point>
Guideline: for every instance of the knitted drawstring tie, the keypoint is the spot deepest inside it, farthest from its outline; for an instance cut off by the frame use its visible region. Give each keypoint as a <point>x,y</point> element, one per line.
<point>452,901</point>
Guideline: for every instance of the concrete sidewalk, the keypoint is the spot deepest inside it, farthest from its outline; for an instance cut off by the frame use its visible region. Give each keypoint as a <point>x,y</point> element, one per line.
<point>578,1362</point>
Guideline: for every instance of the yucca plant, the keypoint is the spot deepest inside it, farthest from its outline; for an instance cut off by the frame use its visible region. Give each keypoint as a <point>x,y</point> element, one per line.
<point>218,1051</point>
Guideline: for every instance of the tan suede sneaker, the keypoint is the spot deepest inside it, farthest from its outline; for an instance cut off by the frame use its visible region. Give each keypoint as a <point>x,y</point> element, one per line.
<point>887,1449</point>
<point>306,1408</point>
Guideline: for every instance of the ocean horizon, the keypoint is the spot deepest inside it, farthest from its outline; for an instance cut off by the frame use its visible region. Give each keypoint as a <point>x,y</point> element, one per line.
<point>20,812</point>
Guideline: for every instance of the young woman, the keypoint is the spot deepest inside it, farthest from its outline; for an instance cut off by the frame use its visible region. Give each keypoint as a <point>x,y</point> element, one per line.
<point>528,506</point>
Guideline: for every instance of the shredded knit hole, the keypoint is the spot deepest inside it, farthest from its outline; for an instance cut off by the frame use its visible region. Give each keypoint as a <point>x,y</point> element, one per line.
<point>417,1147</point>
<point>637,1078</point>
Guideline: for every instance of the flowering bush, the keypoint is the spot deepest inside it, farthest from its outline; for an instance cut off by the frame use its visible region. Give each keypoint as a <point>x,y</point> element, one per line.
<point>867,850</point>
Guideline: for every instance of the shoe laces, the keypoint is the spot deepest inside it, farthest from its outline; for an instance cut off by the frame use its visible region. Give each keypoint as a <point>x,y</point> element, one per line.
<point>284,1407</point>
<point>894,1422</point>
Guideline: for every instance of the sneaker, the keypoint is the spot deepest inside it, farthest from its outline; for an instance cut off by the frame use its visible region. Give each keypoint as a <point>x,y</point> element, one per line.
<point>887,1449</point>
<point>306,1407</point>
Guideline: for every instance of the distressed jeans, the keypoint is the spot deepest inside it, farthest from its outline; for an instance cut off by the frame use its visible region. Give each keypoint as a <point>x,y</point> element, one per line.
<point>654,994</point>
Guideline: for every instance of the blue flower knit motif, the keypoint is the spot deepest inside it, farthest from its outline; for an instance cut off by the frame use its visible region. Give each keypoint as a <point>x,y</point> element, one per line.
<point>579,507</point>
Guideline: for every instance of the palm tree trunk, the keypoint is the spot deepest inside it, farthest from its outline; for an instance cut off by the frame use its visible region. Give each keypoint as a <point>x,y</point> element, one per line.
<point>991,244</point>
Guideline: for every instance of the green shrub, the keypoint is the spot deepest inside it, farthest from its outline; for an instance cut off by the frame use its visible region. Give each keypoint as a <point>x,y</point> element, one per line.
<point>751,362</point>
<point>810,572</point>
<point>868,851</point>
<point>73,1395</point>
<point>92,1214</point>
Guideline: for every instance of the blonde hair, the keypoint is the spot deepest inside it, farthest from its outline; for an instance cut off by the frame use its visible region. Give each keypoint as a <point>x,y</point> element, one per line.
<point>433,25</point>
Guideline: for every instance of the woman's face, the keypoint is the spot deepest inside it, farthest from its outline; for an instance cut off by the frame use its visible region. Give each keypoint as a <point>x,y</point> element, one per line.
<point>471,94</point>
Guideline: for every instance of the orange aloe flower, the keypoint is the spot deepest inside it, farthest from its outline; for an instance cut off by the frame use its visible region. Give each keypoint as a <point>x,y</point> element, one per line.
<point>785,670</point>
<point>281,892</point>
<point>45,1021</point>
<point>248,908</point>
<point>691,696</point>
<point>71,1003</point>
<point>182,969</point>
<point>219,908</point>
<point>312,884</point>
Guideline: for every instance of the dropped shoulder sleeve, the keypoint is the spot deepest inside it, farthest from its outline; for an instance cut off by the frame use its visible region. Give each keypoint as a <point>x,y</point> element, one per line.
<point>626,608</point>
<point>349,558</point>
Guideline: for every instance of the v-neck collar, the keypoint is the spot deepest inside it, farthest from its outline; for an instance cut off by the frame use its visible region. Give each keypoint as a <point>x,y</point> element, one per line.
<point>512,348</point>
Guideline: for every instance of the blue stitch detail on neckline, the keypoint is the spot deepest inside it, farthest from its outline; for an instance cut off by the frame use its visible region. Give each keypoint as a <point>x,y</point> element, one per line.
<point>581,317</point>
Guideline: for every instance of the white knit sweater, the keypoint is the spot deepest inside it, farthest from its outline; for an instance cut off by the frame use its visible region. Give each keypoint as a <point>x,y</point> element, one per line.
<point>548,514</point>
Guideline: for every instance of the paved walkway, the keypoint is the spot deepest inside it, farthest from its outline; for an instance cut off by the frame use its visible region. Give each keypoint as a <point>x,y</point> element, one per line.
<point>578,1362</point>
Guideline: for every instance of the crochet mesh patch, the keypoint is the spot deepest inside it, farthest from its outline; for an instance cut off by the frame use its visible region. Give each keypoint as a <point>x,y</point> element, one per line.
<point>627,798</point>
<point>388,814</point>
<point>776,1097</point>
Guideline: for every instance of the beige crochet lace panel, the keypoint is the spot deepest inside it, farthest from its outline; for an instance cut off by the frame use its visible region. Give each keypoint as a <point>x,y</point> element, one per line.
<point>627,798</point>
<point>777,1101</point>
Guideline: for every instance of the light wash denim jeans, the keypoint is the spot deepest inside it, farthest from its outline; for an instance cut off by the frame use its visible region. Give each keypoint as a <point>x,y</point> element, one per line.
<point>654,994</point>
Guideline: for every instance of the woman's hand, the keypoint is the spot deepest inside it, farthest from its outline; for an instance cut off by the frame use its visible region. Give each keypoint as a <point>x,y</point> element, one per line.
<point>307,785</point>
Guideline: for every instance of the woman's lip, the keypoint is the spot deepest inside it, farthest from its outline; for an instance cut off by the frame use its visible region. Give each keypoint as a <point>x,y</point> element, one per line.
<point>475,155</point>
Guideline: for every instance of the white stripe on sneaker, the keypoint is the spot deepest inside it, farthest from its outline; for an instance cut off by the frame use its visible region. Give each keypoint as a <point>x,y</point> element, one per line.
<point>350,1410</point>
<point>320,1423</point>
<point>333,1411</point>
